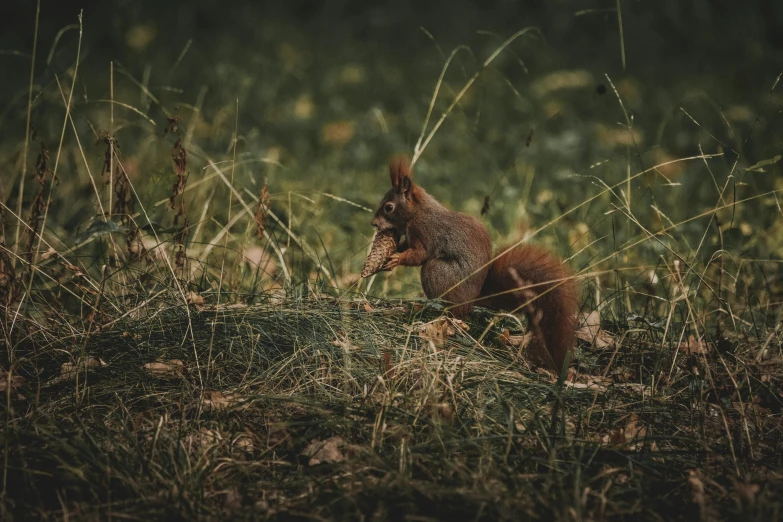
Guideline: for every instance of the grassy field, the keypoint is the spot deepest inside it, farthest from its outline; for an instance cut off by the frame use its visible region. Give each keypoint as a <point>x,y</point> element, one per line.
<point>185,203</point>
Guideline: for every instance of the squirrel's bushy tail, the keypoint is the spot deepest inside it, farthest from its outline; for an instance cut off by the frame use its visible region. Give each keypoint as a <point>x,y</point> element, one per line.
<point>531,279</point>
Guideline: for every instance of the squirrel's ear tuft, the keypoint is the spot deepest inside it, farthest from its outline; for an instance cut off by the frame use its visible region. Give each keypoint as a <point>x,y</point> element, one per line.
<point>399,170</point>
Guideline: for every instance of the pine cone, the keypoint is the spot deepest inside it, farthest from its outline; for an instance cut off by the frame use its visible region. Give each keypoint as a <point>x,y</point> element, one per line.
<point>384,244</point>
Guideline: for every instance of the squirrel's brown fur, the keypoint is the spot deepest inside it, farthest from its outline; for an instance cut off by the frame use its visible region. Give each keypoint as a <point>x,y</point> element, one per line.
<point>454,251</point>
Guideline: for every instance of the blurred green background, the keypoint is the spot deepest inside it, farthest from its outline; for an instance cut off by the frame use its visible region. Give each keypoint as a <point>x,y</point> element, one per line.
<point>321,94</point>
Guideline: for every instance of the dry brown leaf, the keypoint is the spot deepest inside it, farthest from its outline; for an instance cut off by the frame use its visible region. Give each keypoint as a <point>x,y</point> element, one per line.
<point>257,257</point>
<point>49,253</point>
<point>633,386</point>
<point>262,211</point>
<point>329,451</point>
<point>591,322</point>
<point>69,370</point>
<point>516,341</point>
<point>388,365</point>
<point>243,443</point>
<point>194,299</point>
<point>634,430</point>
<point>437,332</point>
<point>697,489</point>
<point>586,382</point>
<point>626,436</point>
<point>218,400</point>
<point>615,438</point>
<point>195,441</point>
<point>163,369</point>
<point>443,411</point>
<point>746,492</point>
<point>367,308</point>
<point>587,386</point>
<point>16,381</point>
<point>590,331</point>
<point>693,346</point>
<point>546,373</point>
<point>459,323</point>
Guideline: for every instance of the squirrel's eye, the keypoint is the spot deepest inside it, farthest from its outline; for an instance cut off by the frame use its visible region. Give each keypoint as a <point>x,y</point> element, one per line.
<point>389,207</point>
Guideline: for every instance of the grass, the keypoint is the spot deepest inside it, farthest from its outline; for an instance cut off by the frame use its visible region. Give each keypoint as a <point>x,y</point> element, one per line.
<point>185,335</point>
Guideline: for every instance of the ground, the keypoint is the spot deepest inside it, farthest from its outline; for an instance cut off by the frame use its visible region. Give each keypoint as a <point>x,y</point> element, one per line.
<point>186,192</point>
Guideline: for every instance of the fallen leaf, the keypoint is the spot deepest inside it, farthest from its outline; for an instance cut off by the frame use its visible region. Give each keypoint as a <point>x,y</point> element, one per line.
<point>437,332</point>
<point>634,430</point>
<point>443,411</point>
<point>581,381</point>
<point>195,441</point>
<point>69,370</point>
<point>615,438</point>
<point>698,495</point>
<point>459,323</point>
<point>633,386</point>
<point>194,299</point>
<point>519,341</point>
<point>591,323</point>
<point>49,253</point>
<point>693,346</point>
<point>626,436</point>
<point>232,499</point>
<point>746,492</point>
<point>218,400</point>
<point>16,381</point>
<point>243,443</point>
<point>591,332</point>
<point>388,365</point>
<point>163,369</point>
<point>329,451</point>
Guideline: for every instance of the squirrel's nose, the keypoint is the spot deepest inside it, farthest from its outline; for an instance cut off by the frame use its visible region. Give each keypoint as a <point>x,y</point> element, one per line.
<point>375,222</point>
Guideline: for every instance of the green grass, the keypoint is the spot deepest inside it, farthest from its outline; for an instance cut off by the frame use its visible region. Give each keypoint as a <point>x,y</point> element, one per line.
<point>171,349</point>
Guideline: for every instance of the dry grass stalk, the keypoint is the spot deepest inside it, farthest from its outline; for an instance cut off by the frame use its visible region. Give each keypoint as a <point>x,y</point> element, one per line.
<point>38,207</point>
<point>180,159</point>
<point>261,211</point>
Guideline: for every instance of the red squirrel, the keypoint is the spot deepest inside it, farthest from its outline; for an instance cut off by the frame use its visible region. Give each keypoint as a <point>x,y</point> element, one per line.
<point>455,254</point>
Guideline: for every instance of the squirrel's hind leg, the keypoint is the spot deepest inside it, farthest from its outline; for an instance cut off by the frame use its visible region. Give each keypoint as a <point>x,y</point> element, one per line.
<point>444,280</point>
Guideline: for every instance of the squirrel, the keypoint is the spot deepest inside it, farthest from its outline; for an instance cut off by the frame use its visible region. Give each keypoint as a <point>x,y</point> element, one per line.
<point>454,251</point>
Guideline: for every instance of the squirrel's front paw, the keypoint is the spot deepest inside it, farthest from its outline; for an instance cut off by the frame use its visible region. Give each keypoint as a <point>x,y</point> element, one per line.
<point>392,262</point>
